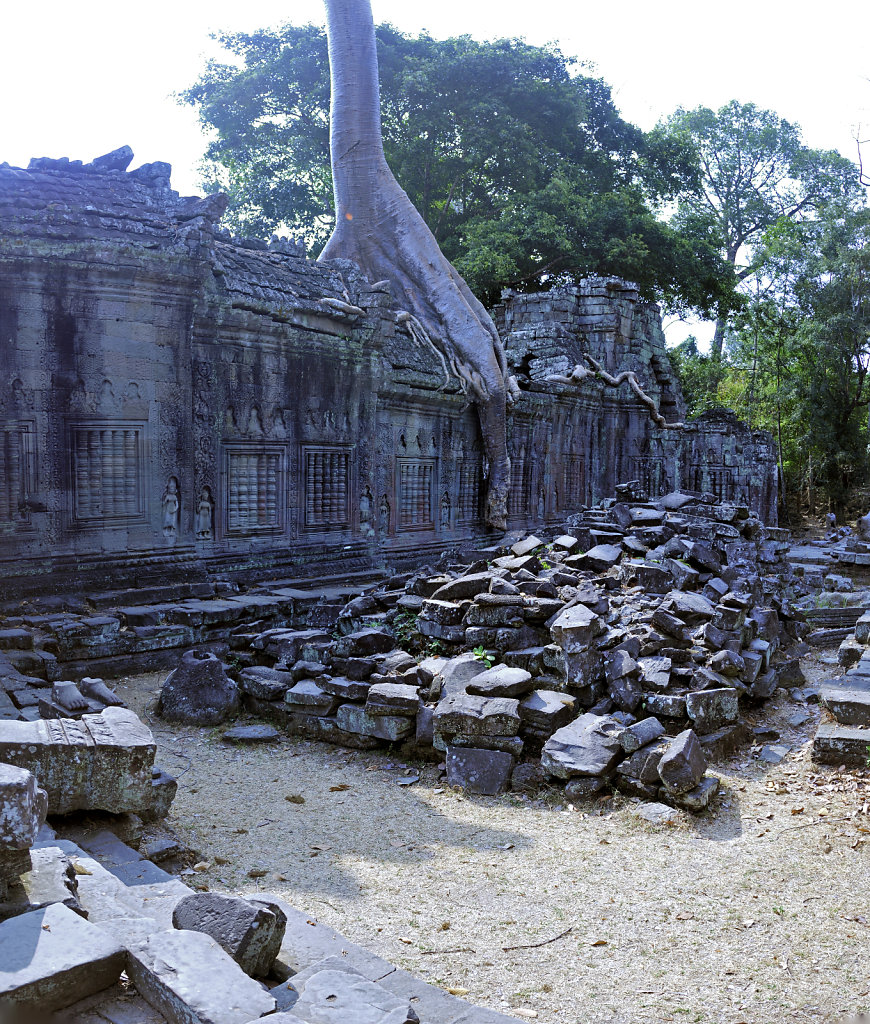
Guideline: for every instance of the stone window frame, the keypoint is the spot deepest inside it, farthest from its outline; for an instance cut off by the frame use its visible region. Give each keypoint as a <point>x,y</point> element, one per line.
<point>341,524</point>
<point>26,431</point>
<point>113,520</point>
<point>430,463</point>
<point>248,449</point>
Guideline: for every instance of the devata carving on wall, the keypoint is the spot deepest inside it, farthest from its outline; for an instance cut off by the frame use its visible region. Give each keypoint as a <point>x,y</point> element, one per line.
<point>174,402</point>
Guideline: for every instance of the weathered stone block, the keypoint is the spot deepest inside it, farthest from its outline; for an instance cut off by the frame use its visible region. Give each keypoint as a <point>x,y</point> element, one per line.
<point>392,699</point>
<point>587,746</point>
<point>251,931</point>
<point>477,770</point>
<point>711,709</point>
<point>683,764</point>
<point>102,762</point>
<point>576,629</point>
<point>501,681</point>
<point>547,710</point>
<point>52,958</point>
<point>354,719</point>
<point>23,806</point>
<point>186,976</point>
<point>485,716</point>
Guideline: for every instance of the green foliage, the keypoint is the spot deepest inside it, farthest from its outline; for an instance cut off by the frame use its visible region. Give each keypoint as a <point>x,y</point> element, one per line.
<point>798,356</point>
<point>518,162</point>
<point>482,654</point>
<point>755,173</point>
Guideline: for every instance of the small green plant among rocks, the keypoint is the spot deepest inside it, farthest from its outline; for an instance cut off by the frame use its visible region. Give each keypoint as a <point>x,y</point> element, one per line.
<point>482,654</point>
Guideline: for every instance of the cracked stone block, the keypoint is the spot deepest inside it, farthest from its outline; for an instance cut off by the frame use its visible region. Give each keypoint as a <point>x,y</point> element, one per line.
<point>547,710</point>
<point>265,683</point>
<point>308,698</point>
<point>587,746</point>
<point>186,976</point>
<point>52,958</point>
<point>101,762</point>
<point>251,931</point>
<point>640,734</point>
<point>51,878</point>
<point>477,770</point>
<point>23,806</point>
<point>683,764</point>
<point>698,799</point>
<point>199,691</point>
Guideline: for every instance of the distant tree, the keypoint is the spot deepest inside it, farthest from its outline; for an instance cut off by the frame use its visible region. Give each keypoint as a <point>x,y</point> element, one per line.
<point>520,165</point>
<point>755,170</point>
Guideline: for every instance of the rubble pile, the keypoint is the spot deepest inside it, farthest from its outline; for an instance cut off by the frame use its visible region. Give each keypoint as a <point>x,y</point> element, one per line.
<point>619,653</point>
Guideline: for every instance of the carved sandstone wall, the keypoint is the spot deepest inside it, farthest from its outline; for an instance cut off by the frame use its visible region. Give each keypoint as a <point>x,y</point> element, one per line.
<point>174,402</point>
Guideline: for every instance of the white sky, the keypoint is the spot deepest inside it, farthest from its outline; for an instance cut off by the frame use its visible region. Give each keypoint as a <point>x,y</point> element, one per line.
<point>81,78</point>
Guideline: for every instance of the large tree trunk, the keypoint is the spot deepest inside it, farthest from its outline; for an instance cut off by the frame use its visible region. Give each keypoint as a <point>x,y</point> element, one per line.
<point>377,226</point>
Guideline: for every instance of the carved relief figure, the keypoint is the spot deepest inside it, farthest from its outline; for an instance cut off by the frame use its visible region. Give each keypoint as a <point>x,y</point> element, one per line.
<point>384,516</point>
<point>445,511</point>
<point>205,515</point>
<point>171,511</point>
<point>366,514</point>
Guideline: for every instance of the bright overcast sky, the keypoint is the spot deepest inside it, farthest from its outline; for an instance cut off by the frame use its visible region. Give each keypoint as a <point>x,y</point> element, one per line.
<point>81,78</point>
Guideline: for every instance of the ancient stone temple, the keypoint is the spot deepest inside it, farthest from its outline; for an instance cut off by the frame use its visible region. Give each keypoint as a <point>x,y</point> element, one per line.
<point>176,403</point>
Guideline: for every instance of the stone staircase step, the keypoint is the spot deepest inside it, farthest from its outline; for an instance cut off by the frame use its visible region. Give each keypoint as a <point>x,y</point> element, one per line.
<point>849,707</point>
<point>841,744</point>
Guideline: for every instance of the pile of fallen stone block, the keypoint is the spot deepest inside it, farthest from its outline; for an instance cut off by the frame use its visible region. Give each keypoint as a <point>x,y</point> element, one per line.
<point>619,654</point>
<point>54,650</point>
<point>843,736</point>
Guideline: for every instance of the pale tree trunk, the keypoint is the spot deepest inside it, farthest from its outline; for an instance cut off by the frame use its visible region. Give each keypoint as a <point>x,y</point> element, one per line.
<point>377,226</point>
<point>717,343</point>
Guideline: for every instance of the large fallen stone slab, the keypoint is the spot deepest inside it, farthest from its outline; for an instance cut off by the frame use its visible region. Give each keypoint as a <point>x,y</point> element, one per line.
<point>199,691</point>
<point>249,930</point>
<point>101,762</point>
<point>52,958</point>
<point>587,746</point>
<point>342,997</point>
<point>186,976</point>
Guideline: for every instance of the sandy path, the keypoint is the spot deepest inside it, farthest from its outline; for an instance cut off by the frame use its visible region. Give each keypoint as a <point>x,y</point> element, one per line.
<point>756,913</point>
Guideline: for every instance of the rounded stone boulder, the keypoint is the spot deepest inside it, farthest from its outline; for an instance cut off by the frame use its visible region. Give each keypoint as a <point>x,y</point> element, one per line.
<point>199,691</point>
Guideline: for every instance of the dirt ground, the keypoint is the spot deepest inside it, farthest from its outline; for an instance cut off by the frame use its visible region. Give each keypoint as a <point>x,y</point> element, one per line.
<point>757,911</point>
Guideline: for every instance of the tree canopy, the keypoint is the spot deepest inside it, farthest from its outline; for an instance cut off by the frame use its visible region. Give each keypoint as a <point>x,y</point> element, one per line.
<point>754,171</point>
<point>519,163</point>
